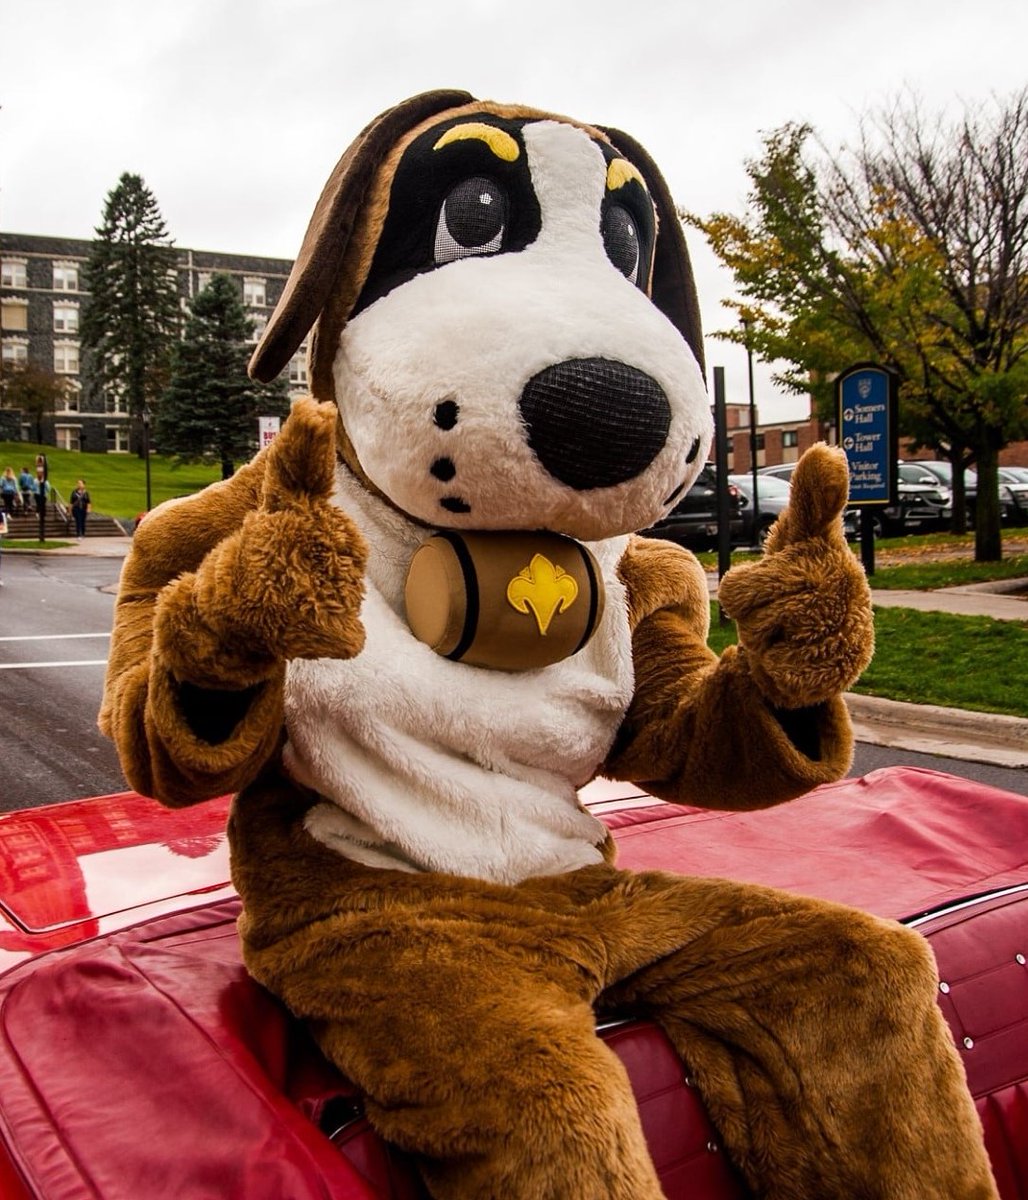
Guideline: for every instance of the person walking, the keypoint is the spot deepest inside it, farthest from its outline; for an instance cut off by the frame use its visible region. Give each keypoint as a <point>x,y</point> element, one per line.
<point>9,490</point>
<point>80,505</point>
<point>3,534</point>
<point>26,485</point>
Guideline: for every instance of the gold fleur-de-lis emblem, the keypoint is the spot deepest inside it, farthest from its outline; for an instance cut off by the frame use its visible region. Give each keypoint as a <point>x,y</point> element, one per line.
<point>542,589</point>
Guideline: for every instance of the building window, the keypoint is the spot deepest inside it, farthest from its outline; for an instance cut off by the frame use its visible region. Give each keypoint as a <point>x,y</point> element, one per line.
<point>15,353</point>
<point>298,369</point>
<point>790,438</point>
<point>759,441</point>
<point>69,437</point>
<point>69,401</point>
<point>66,277</point>
<point>203,278</point>
<point>260,323</point>
<point>14,273</point>
<point>14,313</point>
<point>115,402</point>
<point>117,439</point>
<point>254,292</point>
<point>66,358</point>
<point>66,318</point>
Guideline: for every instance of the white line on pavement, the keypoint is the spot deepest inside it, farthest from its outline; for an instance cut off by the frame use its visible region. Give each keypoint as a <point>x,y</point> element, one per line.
<point>31,666</point>
<point>50,637</point>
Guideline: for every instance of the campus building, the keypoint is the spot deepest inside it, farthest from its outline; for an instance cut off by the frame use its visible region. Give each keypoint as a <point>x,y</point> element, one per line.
<point>41,306</point>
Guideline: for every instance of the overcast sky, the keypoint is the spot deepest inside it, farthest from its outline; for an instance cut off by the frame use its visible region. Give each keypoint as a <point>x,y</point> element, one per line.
<point>235,111</point>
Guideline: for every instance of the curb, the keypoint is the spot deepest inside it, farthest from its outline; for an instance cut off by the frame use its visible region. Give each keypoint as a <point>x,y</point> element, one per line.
<point>949,732</point>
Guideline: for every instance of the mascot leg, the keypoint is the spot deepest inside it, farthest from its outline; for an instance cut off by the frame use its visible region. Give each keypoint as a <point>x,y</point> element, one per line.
<point>465,1011</point>
<point>813,1033</point>
<point>475,1050</point>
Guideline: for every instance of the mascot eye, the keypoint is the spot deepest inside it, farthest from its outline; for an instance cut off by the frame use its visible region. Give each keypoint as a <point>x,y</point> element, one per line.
<point>621,241</point>
<point>471,221</point>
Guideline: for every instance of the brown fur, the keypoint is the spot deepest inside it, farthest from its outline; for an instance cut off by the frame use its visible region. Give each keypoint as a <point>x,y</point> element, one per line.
<point>465,1009</point>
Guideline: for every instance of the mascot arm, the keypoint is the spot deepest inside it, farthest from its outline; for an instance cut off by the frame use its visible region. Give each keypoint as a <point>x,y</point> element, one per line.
<point>218,594</point>
<point>766,722</point>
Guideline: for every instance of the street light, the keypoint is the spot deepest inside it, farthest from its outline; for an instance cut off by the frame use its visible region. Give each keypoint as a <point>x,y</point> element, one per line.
<point>146,453</point>
<point>753,433</point>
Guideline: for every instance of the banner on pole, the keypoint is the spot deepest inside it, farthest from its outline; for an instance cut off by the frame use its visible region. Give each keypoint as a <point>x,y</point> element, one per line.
<point>268,428</point>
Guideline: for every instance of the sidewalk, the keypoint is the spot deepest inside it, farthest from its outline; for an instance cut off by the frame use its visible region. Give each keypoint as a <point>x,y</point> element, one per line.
<point>925,728</point>
<point>94,547</point>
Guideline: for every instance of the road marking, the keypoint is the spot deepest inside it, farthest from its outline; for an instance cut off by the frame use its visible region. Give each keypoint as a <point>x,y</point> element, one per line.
<point>31,666</point>
<point>51,637</point>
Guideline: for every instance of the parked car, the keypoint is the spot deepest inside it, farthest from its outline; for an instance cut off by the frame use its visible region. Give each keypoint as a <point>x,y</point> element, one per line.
<point>772,498</point>
<point>693,522</point>
<point>778,471</point>
<point>138,1058</point>
<point>924,503</point>
<point>1008,506</point>
<point>1015,481</point>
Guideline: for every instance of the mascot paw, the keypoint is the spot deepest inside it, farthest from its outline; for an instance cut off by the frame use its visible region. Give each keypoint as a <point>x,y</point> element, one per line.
<point>288,584</point>
<point>804,610</point>
<point>300,563</point>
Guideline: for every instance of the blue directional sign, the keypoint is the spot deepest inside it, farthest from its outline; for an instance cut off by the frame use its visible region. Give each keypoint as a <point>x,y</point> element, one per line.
<point>866,396</point>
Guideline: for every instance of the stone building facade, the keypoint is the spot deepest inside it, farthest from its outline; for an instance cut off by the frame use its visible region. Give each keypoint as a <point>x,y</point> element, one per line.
<point>42,301</point>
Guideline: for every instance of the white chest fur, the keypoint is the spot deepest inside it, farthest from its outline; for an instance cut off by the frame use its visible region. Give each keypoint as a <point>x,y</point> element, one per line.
<point>430,765</point>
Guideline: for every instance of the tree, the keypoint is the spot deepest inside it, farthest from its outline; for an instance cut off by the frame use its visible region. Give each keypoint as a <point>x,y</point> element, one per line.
<point>910,249</point>
<point>36,391</point>
<point>131,323</point>
<point>210,409</point>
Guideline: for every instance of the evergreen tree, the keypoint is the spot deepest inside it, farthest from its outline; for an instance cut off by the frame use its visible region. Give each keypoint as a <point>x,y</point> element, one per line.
<point>131,323</point>
<point>210,409</point>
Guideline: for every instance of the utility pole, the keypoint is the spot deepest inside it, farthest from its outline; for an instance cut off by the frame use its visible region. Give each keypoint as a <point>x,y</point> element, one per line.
<point>753,434</point>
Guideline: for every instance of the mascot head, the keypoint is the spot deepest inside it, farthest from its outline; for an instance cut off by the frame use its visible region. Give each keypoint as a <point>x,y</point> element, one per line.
<point>503,312</point>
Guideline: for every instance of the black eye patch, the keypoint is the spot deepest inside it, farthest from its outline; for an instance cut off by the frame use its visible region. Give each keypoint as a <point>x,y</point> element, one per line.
<point>627,221</point>
<point>454,200</point>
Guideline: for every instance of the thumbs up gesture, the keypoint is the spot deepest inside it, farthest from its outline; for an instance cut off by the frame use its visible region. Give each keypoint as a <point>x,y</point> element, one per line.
<point>287,583</point>
<point>306,554</point>
<point>803,611</point>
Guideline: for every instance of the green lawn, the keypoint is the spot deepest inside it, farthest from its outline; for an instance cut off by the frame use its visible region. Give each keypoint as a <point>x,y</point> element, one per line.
<point>116,482</point>
<point>936,658</point>
<point>920,575</point>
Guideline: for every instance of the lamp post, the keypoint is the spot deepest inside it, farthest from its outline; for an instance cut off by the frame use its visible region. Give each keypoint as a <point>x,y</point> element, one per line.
<point>753,433</point>
<point>42,472</point>
<point>146,453</point>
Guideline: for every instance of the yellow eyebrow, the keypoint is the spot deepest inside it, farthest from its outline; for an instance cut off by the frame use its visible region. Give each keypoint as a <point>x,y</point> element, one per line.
<point>499,142</point>
<point>621,172</point>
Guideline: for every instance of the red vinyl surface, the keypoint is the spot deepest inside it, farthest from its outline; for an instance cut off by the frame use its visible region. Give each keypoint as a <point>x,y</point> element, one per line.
<point>896,842</point>
<point>145,1062</point>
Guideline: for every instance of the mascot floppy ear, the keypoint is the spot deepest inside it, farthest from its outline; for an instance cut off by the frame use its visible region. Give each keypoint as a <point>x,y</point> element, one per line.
<point>314,278</point>
<point>673,289</point>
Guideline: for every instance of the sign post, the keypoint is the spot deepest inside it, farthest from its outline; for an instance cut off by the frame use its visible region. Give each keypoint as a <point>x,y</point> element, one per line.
<point>268,428</point>
<point>867,408</point>
<point>724,547</point>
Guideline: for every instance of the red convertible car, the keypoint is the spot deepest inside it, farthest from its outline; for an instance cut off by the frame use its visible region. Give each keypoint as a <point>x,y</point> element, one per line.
<point>137,1058</point>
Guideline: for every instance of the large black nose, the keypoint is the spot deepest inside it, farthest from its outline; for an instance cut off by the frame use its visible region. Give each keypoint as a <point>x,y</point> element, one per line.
<point>594,422</point>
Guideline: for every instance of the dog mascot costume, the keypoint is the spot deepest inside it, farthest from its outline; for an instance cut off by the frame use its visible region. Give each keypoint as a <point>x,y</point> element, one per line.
<point>409,630</point>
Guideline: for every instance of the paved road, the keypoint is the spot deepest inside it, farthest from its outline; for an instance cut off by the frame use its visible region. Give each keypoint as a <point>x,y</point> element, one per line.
<point>55,616</point>
<point>55,620</point>
<point>869,758</point>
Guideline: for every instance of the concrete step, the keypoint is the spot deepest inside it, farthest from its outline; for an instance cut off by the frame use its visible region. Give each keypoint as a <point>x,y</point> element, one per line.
<point>97,525</point>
